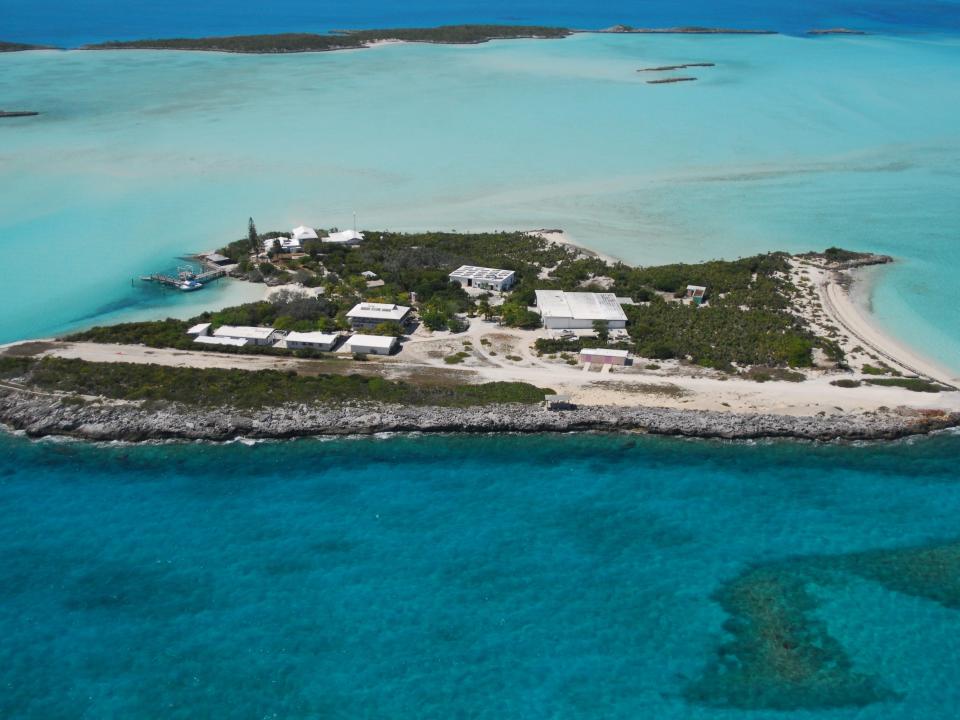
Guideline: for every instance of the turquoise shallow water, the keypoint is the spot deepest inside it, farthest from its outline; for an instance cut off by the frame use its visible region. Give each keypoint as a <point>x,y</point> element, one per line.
<point>500,577</point>
<point>788,143</point>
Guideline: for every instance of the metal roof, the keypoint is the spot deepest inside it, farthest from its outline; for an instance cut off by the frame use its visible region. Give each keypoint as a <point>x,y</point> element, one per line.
<point>603,351</point>
<point>377,341</point>
<point>244,331</point>
<point>313,337</point>
<point>213,340</point>
<point>579,305</point>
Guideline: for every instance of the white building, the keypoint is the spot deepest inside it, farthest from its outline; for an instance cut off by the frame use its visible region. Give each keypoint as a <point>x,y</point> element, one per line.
<point>312,341</point>
<point>223,341</point>
<point>369,315</point>
<point>303,233</point>
<point>344,237</point>
<point>199,329</point>
<point>483,278</point>
<point>253,335</point>
<point>285,244</point>
<point>372,344</point>
<point>579,310</point>
<point>603,356</point>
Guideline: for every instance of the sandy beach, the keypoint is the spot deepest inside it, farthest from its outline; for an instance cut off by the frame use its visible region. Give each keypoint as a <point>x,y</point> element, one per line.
<point>843,301</point>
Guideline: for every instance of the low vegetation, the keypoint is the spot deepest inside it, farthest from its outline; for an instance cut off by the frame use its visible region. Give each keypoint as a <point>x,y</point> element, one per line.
<point>312,42</point>
<point>913,384</point>
<point>247,388</point>
<point>846,383</point>
<point>17,47</point>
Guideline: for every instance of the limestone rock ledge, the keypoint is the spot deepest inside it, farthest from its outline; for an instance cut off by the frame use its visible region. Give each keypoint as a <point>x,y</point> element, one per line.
<point>44,415</point>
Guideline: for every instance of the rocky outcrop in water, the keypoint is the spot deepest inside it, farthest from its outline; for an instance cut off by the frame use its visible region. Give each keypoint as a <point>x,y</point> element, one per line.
<point>43,415</point>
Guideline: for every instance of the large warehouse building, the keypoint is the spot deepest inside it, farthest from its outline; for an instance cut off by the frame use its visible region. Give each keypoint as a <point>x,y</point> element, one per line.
<point>579,310</point>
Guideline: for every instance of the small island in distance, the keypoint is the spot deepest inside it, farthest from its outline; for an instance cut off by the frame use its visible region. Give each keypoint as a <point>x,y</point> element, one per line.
<point>342,40</point>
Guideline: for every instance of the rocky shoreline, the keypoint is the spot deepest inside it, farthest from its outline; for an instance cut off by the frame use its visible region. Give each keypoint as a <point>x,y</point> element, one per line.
<point>49,415</point>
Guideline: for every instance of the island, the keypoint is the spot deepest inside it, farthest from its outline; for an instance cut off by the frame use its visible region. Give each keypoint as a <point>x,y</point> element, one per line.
<point>666,81</point>
<point>378,331</point>
<point>686,30</point>
<point>666,68</point>
<point>836,31</point>
<point>21,47</point>
<point>342,40</point>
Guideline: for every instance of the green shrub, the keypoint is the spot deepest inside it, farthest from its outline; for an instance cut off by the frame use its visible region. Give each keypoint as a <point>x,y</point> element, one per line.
<point>845,383</point>
<point>913,384</point>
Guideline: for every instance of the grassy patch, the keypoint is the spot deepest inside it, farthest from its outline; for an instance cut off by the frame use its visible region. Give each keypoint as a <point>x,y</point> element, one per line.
<point>766,374</point>
<point>456,358</point>
<point>912,384</point>
<point>246,388</point>
<point>846,383</point>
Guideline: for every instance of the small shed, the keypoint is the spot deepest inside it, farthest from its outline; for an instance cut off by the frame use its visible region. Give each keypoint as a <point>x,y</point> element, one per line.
<point>603,356</point>
<point>199,329</point>
<point>372,344</point>
<point>558,402</point>
<point>696,293</point>
<point>218,259</point>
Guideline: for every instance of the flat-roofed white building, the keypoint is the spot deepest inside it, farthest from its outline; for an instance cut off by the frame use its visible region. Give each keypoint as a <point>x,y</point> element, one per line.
<point>604,356</point>
<point>483,278</point>
<point>222,341</point>
<point>344,237</point>
<point>369,315</point>
<point>372,344</point>
<point>199,329</point>
<point>579,310</point>
<point>253,335</point>
<point>312,341</point>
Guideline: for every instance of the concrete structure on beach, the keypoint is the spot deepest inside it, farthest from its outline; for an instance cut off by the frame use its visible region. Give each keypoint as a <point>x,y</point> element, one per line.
<point>483,278</point>
<point>579,310</point>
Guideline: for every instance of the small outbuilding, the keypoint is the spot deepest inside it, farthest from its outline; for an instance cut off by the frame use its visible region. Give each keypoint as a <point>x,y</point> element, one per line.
<point>253,335</point>
<point>696,293</point>
<point>602,356</point>
<point>483,278</point>
<point>557,402</point>
<point>199,329</point>
<point>324,342</point>
<point>218,259</point>
<point>369,315</point>
<point>372,344</point>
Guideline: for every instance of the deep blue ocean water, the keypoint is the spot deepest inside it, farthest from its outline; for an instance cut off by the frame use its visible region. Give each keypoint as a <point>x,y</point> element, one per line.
<point>73,22</point>
<point>444,577</point>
